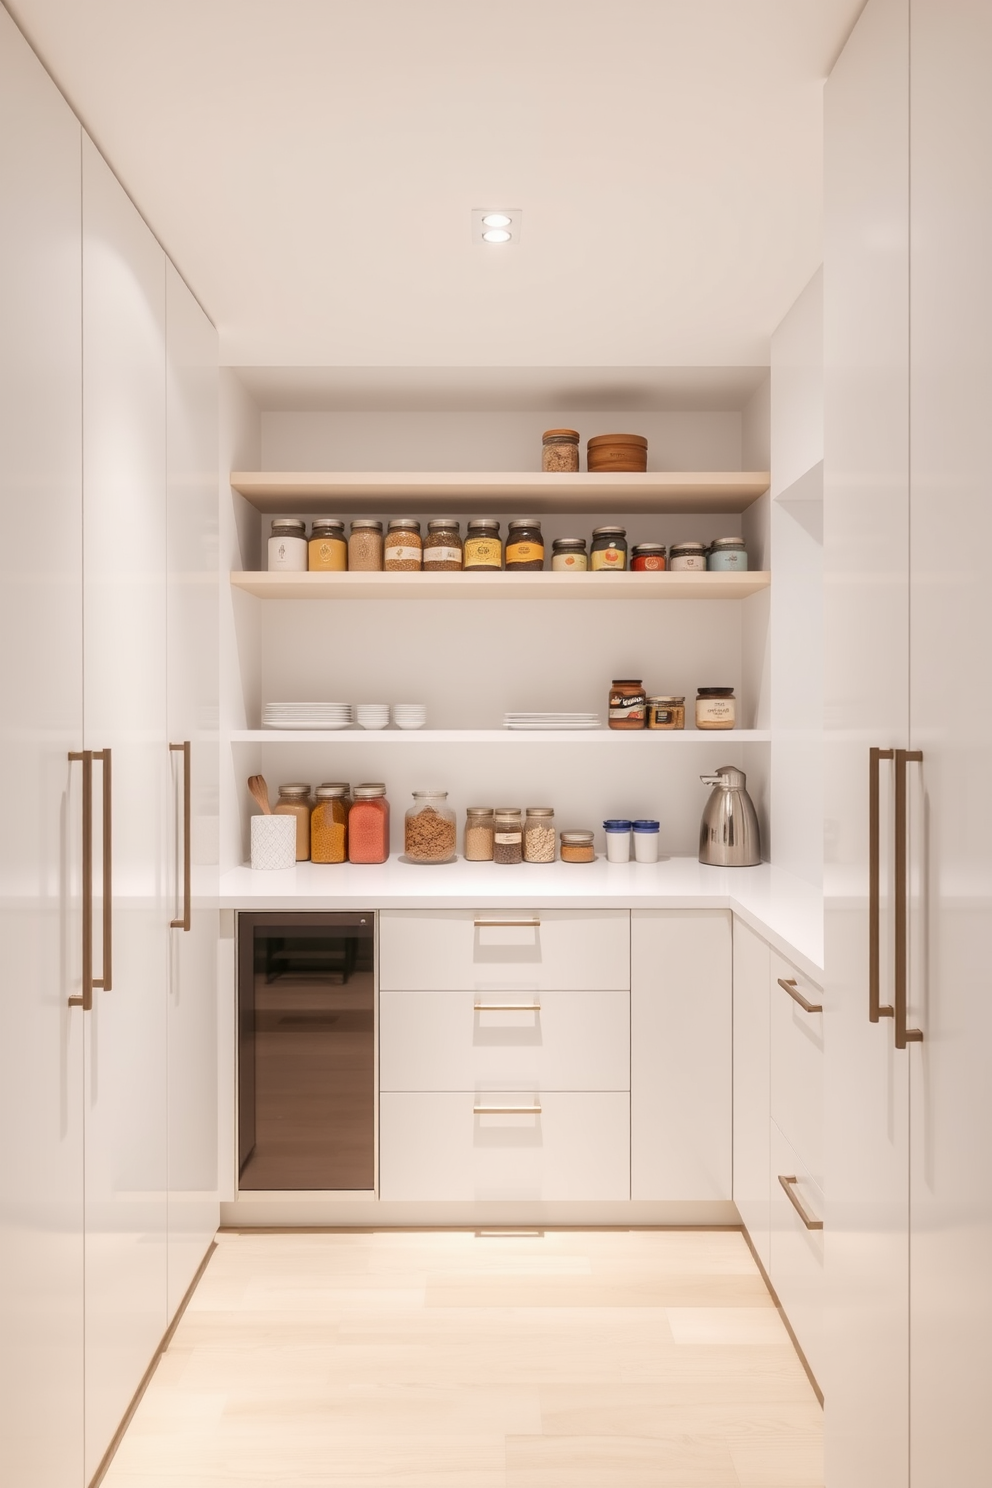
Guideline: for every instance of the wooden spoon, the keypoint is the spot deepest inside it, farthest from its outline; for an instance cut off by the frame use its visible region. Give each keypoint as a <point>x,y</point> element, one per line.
<point>259,789</point>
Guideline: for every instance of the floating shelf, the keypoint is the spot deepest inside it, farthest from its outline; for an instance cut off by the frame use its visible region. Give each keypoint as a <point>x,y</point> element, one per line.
<point>654,738</point>
<point>500,492</point>
<point>583,586</point>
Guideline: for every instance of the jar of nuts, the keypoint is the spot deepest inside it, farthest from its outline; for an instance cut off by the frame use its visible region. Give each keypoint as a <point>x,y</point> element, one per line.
<point>429,829</point>
<point>365,545</point>
<point>443,546</point>
<point>480,824</point>
<point>403,549</point>
<point>539,835</point>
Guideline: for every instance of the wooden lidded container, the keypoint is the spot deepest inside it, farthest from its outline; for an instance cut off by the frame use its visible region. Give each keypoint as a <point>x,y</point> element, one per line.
<point>617,452</point>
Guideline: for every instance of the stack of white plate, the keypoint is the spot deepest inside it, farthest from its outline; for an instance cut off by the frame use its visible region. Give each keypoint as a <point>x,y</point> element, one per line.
<point>372,715</point>
<point>306,715</point>
<point>550,720</point>
<point>409,715</point>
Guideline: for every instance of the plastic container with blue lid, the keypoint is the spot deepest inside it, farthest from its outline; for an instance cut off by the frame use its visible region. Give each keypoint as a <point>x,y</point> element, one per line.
<point>646,840</point>
<point>617,830</point>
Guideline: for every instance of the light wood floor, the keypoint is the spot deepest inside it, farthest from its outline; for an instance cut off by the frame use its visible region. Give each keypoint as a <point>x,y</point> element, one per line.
<point>573,1359</point>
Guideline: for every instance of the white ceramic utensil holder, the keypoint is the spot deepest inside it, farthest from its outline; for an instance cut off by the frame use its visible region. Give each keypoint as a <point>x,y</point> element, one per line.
<point>273,842</point>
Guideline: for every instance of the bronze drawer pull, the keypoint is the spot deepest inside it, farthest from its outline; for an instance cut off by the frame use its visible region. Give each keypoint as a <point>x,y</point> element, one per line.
<point>185,922</point>
<point>506,1110</point>
<point>789,1185</point>
<point>508,924</point>
<point>788,984</point>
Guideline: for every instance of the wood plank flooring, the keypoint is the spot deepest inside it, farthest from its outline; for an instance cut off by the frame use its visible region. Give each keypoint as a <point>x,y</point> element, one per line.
<point>396,1359</point>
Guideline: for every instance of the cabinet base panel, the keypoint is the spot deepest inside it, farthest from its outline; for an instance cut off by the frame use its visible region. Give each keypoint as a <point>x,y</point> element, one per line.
<point>782,1314</point>
<point>327,1211</point>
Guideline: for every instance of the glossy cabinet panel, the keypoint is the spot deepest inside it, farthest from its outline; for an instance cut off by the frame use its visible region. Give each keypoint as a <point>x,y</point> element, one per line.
<point>796,1249</point>
<point>797,1064</point>
<point>751,1084</point>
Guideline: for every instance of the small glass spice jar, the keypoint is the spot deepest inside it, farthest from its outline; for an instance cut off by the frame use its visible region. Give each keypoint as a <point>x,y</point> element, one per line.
<point>560,449</point>
<point>716,708</point>
<point>368,824</point>
<point>727,555</point>
<point>483,548</point>
<point>628,704</point>
<point>443,546</point>
<point>288,552</point>
<point>508,836</point>
<point>329,825</point>
<point>294,800</point>
<point>666,712</point>
<point>524,546</point>
<point>648,557</point>
<point>609,549</point>
<point>328,547</point>
<point>403,549</point>
<point>578,847</point>
<point>480,825</point>
<point>687,557</point>
<point>365,546</point>
<point>539,834</point>
<point>568,555</point>
<point>429,834</point>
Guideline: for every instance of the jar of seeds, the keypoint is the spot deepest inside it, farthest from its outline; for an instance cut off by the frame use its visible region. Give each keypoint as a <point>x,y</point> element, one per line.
<point>443,546</point>
<point>365,545</point>
<point>480,825</point>
<point>403,548</point>
<point>560,449</point>
<point>539,835</point>
<point>429,829</point>
<point>508,836</point>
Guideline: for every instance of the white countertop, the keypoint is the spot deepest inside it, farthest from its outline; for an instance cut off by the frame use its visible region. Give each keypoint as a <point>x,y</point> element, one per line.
<point>787,911</point>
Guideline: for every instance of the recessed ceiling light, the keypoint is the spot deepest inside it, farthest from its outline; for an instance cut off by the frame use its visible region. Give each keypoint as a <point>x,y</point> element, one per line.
<point>496,219</point>
<point>496,225</point>
<point>496,235</point>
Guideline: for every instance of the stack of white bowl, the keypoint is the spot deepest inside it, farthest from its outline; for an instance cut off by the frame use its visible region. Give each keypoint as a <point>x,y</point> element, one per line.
<point>372,715</point>
<point>409,715</point>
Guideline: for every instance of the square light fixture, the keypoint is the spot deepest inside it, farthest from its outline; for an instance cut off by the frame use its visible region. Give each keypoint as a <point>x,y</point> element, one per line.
<point>499,226</point>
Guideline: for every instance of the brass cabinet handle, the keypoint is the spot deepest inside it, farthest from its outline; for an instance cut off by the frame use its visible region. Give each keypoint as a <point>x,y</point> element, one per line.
<point>506,1007</point>
<point>89,981</point>
<point>508,924</point>
<point>106,980</point>
<point>184,750</point>
<point>506,1110</point>
<point>875,1008</point>
<point>904,1035</point>
<point>789,984</point>
<point>808,1220</point>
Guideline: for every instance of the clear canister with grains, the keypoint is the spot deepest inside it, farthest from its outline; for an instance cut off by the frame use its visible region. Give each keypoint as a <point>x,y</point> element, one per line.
<point>508,837</point>
<point>480,825</point>
<point>539,835</point>
<point>368,824</point>
<point>294,800</point>
<point>560,450</point>
<point>329,825</point>
<point>429,834</point>
<point>578,846</point>
<point>365,545</point>
<point>403,549</point>
<point>443,546</point>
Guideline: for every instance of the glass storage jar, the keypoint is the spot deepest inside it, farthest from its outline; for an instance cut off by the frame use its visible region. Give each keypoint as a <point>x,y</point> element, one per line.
<point>609,549</point>
<point>443,546</point>
<point>329,825</point>
<point>508,836</point>
<point>524,546</point>
<point>368,824</point>
<point>287,552</point>
<point>687,557</point>
<point>560,449</point>
<point>648,557</point>
<point>568,555</point>
<point>365,545</point>
<point>578,847</point>
<point>403,550</point>
<point>294,800</point>
<point>716,708</point>
<point>727,555</point>
<point>480,824</point>
<point>483,549</point>
<point>429,828</point>
<point>628,704</point>
<point>666,712</point>
<point>328,548</point>
<point>539,834</point>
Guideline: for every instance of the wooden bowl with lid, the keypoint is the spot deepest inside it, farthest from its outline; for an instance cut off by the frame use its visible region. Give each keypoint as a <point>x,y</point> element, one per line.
<point>617,452</point>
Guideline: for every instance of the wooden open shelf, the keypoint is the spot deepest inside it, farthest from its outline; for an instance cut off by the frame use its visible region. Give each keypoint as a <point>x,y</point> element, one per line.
<point>501,586</point>
<point>512,492</point>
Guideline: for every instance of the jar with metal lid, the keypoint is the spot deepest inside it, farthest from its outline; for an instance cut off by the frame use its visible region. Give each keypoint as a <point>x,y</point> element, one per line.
<point>524,546</point>
<point>727,555</point>
<point>508,836</point>
<point>329,825</point>
<point>480,825</point>
<point>578,847</point>
<point>368,824</point>
<point>344,787</point>
<point>539,834</point>
<point>403,548</point>
<point>716,708</point>
<point>294,800</point>
<point>443,546</point>
<point>687,557</point>
<point>328,547</point>
<point>628,704</point>
<point>609,549</point>
<point>648,557</point>
<point>288,552</point>
<point>365,545</point>
<point>666,712</point>
<point>568,555</point>
<point>429,834</point>
<point>560,449</point>
<point>483,548</point>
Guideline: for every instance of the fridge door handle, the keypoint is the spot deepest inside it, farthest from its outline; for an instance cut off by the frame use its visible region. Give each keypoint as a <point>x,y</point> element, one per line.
<point>876,1009</point>
<point>185,922</point>
<point>85,1000</point>
<point>904,1035</point>
<point>106,980</point>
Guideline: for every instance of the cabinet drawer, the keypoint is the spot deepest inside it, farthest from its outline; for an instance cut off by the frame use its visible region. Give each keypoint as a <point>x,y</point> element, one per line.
<point>436,1146</point>
<point>491,950</point>
<point>474,1041</point>
<point>796,1252</point>
<point>797,1066</point>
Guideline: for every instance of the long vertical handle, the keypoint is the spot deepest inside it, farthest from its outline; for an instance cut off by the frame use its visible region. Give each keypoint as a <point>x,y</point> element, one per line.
<point>904,1035</point>
<point>106,980</point>
<point>876,1009</point>
<point>184,750</point>
<point>85,1001</point>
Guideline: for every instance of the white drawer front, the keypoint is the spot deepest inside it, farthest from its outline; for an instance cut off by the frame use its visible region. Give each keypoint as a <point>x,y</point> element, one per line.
<point>797,1252</point>
<point>474,1041</point>
<point>466,950</point>
<point>435,1146</point>
<point>797,1066</point>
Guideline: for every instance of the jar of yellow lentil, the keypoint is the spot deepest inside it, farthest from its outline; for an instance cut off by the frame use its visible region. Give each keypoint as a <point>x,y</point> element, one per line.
<point>329,826</point>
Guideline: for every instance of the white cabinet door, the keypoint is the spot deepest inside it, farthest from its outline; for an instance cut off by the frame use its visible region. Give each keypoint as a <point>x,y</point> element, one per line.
<point>124,542</point>
<point>41,1038</point>
<point>866,288</point>
<point>681,1054</point>
<point>751,1084</point>
<point>951,623</point>
<point>192,446</point>
<point>796,1084</point>
<point>796,1249</point>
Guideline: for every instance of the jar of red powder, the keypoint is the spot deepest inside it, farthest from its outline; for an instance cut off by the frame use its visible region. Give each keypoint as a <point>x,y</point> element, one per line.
<point>648,557</point>
<point>368,824</point>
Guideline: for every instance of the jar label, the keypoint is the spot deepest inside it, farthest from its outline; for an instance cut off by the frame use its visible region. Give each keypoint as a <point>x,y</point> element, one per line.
<point>693,561</point>
<point>608,558</point>
<point>483,552</point>
<point>288,553</point>
<point>569,562</point>
<point>442,555</point>
<point>652,562</point>
<point>619,705</point>
<point>715,708</point>
<point>524,552</point>
<point>400,554</point>
<point>507,839</point>
<point>634,711</point>
<point>329,555</point>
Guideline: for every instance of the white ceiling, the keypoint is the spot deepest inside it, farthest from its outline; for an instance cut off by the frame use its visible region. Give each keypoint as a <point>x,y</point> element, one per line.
<point>311,166</point>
